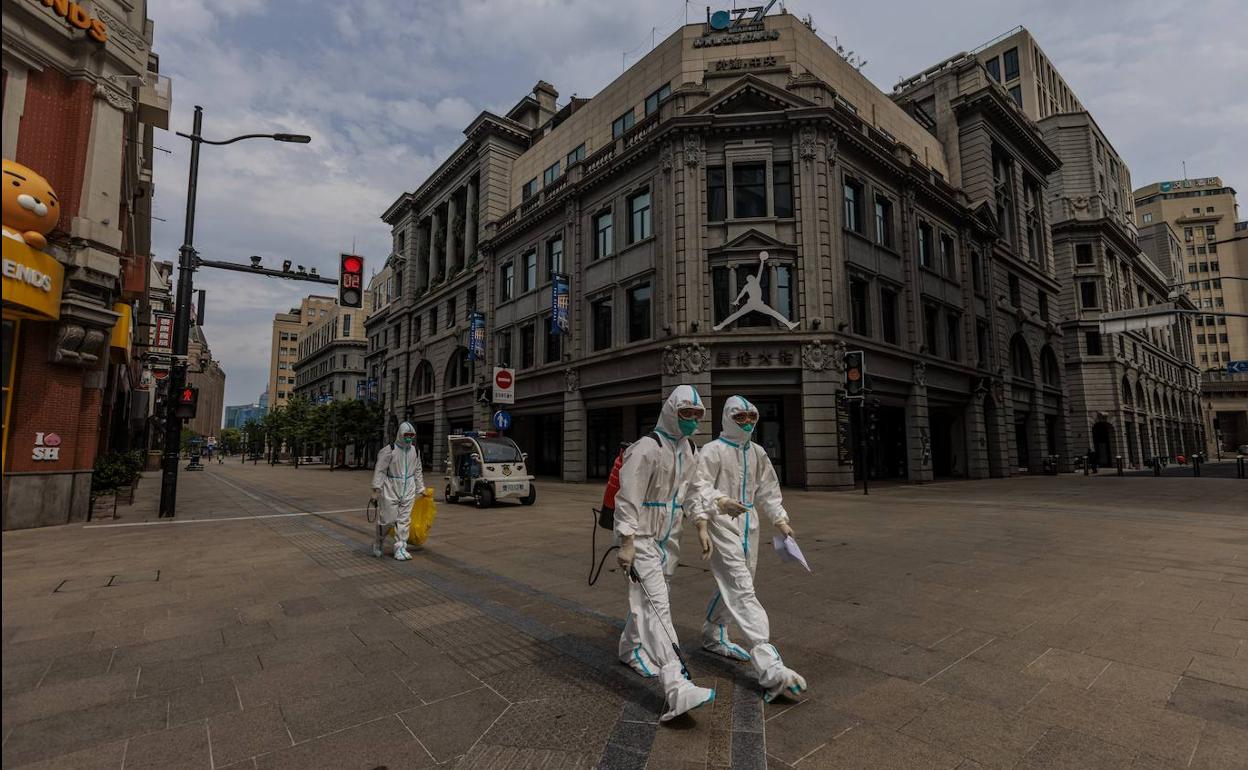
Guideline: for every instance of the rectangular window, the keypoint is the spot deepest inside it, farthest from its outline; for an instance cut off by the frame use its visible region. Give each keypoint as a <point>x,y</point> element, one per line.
<point>883,221</point>
<point>604,235</point>
<point>554,256</point>
<point>1044,305</point>
<point>721,292</point>
<point>1010,62</point>
<point>784,291</point>
<point>506,281</point>
<point>981,343</point>
<point>655,99</point>
<point>925,245</point>
<point>931,328</point>
<point>502,351</point>
<point>471,298</point>
<point>1213,266</point>
<point>346,325</point>
<point>1083,253</point>
<point>853,205</point>
<point>1093,342</point>
<point>1209,232</point>
<point>977,272</point>
<point>1187,234</point>
<point>433,321</point>
<point>529,189</point>
<point>602,311</point>
<point>416,329</point>
<point>622,124</point>
<point>1088,295</point>
<point>859,307</point>
<point>749,190</point>
<point>450,313</point>
<point>527,341</point>
<point>948,261</point>
<point>1016,93</point>
<point>953,336</point>
<point>716,194</point>
<point>639,227</point>
<point>550,174</point>
<point>639,313</point>
<point>1147,218</point>
<point>888,315</point>
<point>994,68</point>
<point>1016,292</point>
<point>576,156</point>
<point>782,189</point>
<point>528,280</point>
<point>553,342</point>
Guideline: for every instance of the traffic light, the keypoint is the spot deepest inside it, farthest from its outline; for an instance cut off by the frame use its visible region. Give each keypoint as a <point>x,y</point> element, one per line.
<point>188,400</point>
<point>855,373</point>
<point>351,281</point>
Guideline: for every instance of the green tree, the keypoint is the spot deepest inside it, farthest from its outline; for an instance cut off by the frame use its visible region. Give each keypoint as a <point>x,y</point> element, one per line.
<point>231,440</point>
<point>187,435</point>
<point>296,425</point>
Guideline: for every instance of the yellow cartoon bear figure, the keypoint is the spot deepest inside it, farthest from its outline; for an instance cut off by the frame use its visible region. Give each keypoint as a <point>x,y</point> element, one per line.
<point>31,209</point>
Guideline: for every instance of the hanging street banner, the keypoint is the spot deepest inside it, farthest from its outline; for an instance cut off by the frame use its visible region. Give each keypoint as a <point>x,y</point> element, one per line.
<point>476,336</point>
<point>559,304</point>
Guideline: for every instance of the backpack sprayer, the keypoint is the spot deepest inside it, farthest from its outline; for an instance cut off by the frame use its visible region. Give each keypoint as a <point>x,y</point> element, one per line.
<point>605,517</point>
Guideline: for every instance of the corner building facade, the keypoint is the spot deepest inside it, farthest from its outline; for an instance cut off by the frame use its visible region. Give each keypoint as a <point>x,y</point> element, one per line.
<point>656,197</point>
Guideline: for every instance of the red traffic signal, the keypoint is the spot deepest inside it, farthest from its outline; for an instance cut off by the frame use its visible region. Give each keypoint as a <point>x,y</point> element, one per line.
<point>855,373</point>
<point>351,281</point>
<point>187,403</point>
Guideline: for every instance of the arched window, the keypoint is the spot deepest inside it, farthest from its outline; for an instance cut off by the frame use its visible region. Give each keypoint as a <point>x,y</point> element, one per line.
<point>458,371</point>
<point>1140,399</point>
<point>422,380</point>
<point>1020,359</point>
<point>1127,393</point>
<point>1050,374</point>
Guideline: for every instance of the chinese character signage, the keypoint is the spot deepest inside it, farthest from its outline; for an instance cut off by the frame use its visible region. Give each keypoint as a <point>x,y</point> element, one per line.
<point>559,300</point>
<point>162,332</point>
<point>476,336</point>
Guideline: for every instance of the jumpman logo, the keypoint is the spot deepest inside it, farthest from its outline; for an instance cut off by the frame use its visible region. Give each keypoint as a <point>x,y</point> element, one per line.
<point>755,303</point>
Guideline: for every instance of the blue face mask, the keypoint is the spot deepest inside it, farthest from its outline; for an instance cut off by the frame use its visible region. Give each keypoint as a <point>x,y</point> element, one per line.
<point>408,440</point>
<point>688,427</point>
<point>747,427</point>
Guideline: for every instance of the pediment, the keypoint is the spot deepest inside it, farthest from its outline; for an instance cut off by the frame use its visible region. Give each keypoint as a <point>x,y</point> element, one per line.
<point>750,94</point>
<point>753,241</point>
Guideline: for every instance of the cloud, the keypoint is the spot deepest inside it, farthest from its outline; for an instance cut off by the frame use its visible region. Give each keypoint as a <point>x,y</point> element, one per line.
<point>386,88</point>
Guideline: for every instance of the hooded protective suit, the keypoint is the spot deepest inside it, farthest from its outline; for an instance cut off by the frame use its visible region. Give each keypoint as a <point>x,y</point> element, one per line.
<point>397,481</point>
<point>733,466</point>
<point>649,507</point>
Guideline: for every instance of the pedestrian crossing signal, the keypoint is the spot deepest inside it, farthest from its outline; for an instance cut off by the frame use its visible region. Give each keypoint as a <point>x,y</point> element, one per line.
<point>188,401</point>
<point>351,281</point>
<point>855,374</point>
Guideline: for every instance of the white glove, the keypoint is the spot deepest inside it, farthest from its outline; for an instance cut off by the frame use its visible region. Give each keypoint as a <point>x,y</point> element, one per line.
<point>785,529</point>
<point>729,507</point>
<point>372,500</point>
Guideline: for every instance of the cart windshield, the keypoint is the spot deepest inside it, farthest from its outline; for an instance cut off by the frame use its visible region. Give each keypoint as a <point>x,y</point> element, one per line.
<point>499,450</point>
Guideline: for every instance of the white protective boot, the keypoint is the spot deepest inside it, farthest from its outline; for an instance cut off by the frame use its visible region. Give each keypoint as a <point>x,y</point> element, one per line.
<point>400,551</point>
<point>776,678</point>
<point>379,542</point>
<point>715,639</point>
<point>642,663</point>
<point>682,694</point>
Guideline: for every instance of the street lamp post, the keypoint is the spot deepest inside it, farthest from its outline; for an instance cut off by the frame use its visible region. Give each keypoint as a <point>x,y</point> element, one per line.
<point>187,262</point>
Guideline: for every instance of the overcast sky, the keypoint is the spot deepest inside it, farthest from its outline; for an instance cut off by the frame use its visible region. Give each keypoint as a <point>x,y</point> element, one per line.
<point>386,88</point>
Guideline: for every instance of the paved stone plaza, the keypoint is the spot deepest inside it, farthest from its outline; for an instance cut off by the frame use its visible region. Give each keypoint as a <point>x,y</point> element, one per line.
<point>1036,622</point>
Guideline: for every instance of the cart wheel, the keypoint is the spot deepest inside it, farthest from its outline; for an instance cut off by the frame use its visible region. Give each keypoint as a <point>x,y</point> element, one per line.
<point>450,498</point>
<point>485,496</point>
<point>531,497</point>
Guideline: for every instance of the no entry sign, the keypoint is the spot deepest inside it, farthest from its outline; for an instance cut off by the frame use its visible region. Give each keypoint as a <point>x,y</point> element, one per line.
<point>504,385</point>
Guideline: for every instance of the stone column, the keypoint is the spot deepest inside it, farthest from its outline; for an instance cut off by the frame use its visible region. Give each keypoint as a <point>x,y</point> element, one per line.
<point>977,465</point>
<point>470,222</point>
<point>421,260</point>
<point>919,440</point>
<point>1006,432</point>
<point>440,429</point>
<point>448,255</point>
<point>1039,442</point>
<point>435,266</point>
<point>574,418</point>
<point>821,387</point>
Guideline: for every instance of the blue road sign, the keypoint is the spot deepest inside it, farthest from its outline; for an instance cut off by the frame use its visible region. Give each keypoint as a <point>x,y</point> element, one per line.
<point>502,420</point>
<point>1237,367</point>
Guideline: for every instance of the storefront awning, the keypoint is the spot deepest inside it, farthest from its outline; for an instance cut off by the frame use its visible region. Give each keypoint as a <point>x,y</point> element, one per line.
<point>32,282</point>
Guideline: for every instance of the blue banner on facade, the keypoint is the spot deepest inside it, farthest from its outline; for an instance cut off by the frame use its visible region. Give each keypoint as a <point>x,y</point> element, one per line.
<point>559,304</point>
<point>476,336</point>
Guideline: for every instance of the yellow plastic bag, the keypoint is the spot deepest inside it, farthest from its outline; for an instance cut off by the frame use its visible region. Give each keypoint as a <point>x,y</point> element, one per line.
<point>424,511</point>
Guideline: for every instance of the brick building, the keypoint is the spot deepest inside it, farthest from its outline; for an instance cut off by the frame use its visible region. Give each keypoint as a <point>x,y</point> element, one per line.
<point>288,328</point>
<point>80,107</point>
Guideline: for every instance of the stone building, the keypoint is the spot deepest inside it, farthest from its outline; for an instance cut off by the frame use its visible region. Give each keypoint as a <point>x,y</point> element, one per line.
<point>1205,215</point>
<point>205,373</point>
<point>1119,387</point>
<point>288,329</point>
<point>330,363</point>
<point>82,99</point>
<point>902,225</point>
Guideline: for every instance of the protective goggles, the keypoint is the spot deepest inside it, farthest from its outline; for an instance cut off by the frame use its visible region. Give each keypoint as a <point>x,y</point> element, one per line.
<point>745,418</point>
<point>690,413</point>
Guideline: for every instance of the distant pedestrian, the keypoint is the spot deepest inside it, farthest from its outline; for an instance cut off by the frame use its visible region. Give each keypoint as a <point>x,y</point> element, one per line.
<point>1092,459</point>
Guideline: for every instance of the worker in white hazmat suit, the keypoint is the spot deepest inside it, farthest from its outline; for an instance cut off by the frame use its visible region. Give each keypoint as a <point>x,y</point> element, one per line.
<point>397,481</point>
<point>654,480</point>
<point>737,485</point>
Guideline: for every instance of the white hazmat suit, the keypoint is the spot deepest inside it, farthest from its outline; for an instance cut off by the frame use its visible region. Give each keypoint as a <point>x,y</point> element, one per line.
<point>654,480</point>
<point>397,481</point>
<point>739,470</point>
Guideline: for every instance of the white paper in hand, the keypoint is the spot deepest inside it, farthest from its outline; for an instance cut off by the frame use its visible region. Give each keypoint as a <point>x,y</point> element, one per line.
<point>788,550</point>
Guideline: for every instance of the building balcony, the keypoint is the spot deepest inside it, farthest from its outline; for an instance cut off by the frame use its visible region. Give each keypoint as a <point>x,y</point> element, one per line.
<point>155,98</point>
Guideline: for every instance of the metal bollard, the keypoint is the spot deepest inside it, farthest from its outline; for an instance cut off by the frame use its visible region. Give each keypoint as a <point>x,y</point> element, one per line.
<point>1239,464</point>
<point>1119,459</point>
<point>1196,464</point>
<point>1157,467</point>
